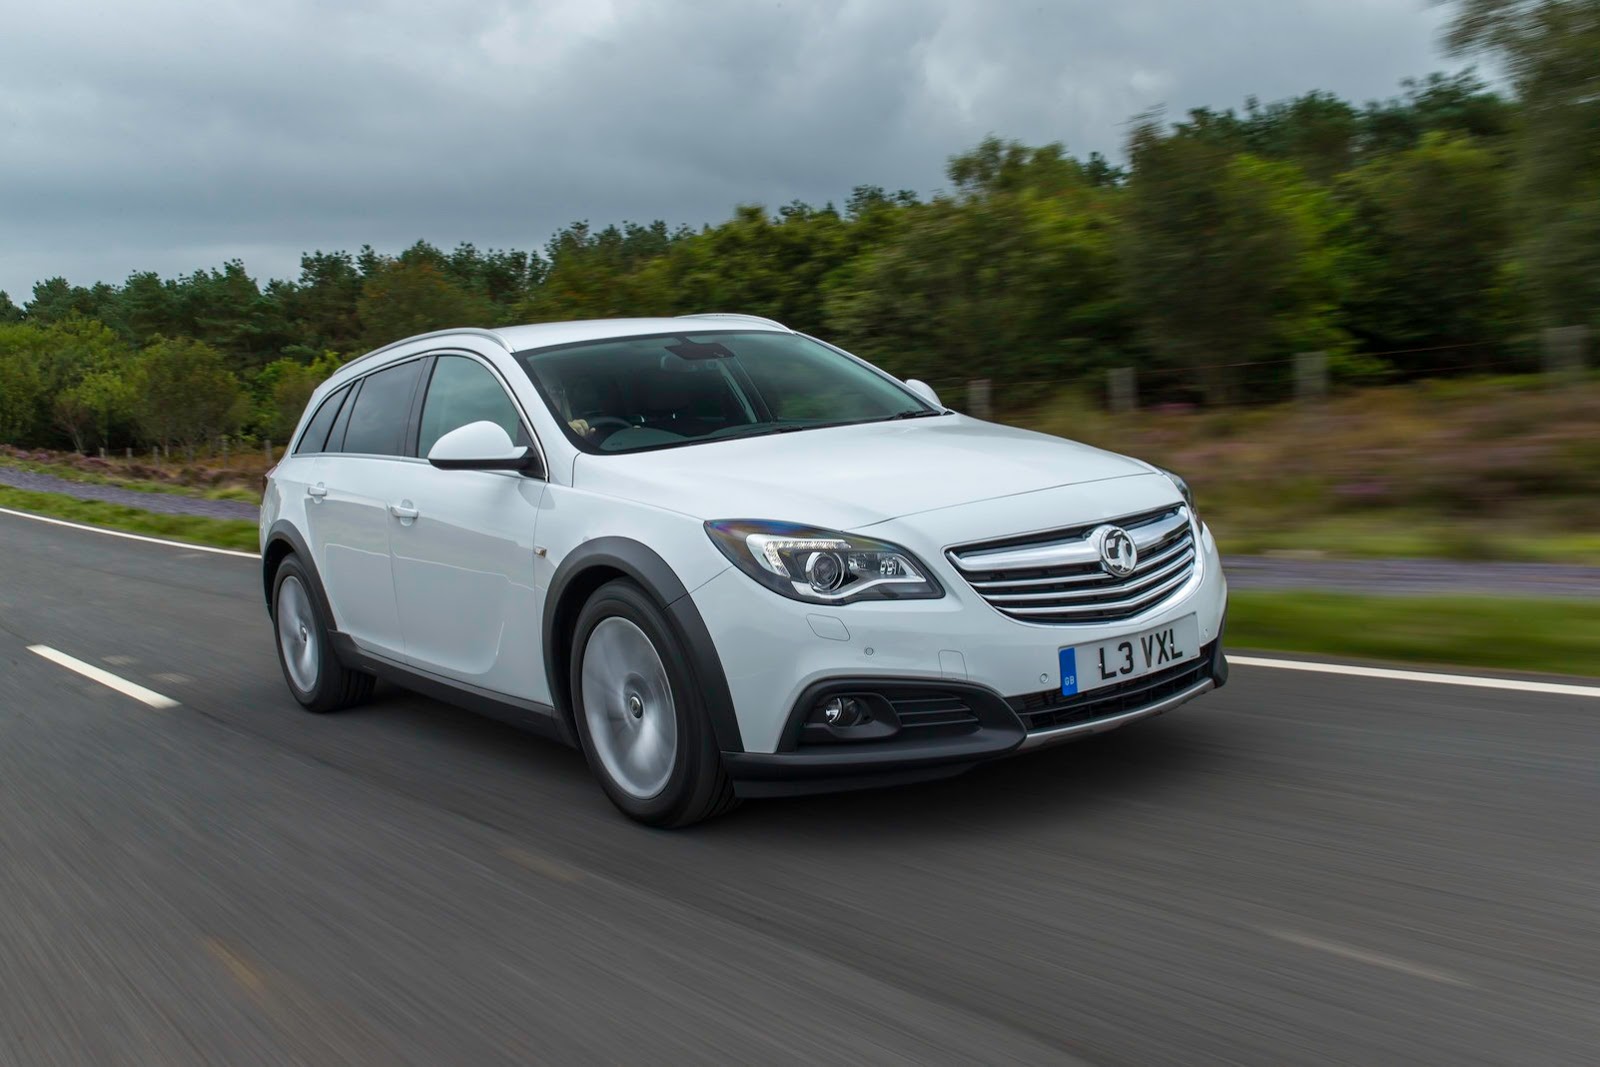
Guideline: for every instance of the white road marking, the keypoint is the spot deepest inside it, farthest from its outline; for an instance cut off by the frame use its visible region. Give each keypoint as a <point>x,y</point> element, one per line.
<point>105,678</point>
<point>1361,955</point>
<point>1419,676</point>
<point>131,536</point>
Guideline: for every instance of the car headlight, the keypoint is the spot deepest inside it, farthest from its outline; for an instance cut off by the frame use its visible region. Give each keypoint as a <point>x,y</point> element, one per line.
<point>822,566</point>
<point>1183,488</point>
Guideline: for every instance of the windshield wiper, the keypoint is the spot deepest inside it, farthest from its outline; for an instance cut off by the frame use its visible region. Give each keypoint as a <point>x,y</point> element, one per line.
<point>915,413</point>
<point>763,429</point>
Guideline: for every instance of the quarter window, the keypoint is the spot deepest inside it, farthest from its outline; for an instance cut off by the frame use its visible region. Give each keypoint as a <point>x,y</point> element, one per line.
<point>382,410</point>
<point>464,391</point>
<point>316,436</point>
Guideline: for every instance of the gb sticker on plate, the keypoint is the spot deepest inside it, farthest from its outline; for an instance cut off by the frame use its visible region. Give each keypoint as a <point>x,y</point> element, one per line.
<point>1069,671</point>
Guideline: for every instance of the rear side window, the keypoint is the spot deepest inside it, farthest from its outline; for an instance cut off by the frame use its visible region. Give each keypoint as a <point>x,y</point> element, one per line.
<point>464,391</point>
<point>315,439</point>
<point>382,410</point>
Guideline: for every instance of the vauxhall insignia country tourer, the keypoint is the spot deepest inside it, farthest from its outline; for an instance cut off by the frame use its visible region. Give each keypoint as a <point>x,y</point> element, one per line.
<point>725,559</point>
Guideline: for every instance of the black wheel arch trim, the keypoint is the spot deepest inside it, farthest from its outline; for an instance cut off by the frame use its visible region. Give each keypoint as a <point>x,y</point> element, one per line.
<point>284,533</point>
<point>643,565</point>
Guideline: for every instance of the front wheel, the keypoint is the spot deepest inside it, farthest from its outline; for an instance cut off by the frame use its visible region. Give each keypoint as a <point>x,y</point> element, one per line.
<point>639,715</point>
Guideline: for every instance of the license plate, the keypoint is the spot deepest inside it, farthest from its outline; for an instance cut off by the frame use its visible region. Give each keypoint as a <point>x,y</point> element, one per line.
<point>1120,659</point>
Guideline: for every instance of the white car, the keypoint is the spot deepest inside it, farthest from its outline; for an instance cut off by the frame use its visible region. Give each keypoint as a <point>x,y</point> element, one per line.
<point>725,559</point>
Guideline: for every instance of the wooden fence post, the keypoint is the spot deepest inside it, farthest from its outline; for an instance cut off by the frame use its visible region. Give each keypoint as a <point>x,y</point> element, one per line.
<point>1122,389</point>
<point>1564,350</point>
<point>1310,375</point>
<point>979,398</point>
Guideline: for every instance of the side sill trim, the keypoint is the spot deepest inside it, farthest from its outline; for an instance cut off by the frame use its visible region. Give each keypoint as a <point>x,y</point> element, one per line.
<point>524,714</point>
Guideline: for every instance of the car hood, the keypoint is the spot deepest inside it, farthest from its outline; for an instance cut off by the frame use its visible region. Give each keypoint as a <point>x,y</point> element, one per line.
<point>847,477</point>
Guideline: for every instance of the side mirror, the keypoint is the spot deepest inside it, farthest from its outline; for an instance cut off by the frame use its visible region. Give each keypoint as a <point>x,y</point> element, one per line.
<point>481,446</point>
<point>925,391</point>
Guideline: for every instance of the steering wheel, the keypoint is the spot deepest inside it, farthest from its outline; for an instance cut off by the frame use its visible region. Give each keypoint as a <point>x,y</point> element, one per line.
<point>597,421</point>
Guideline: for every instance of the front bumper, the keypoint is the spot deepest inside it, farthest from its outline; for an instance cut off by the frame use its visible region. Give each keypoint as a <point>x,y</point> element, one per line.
<point>997,727</point>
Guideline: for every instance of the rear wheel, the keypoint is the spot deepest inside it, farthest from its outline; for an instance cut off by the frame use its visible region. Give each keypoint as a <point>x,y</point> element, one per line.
<point>639,715</point>
<point>314,674</point>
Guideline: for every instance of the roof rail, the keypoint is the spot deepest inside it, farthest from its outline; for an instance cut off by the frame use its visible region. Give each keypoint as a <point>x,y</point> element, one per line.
<point>739,315</point>
<point>455,332</point>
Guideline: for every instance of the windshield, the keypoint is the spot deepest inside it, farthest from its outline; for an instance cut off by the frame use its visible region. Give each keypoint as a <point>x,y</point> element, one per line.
<point>637,393</point>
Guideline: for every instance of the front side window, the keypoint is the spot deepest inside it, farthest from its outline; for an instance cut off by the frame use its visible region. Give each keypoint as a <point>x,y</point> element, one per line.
<point>633,394</point>
<point>464,391</point>
<point>382,410</point>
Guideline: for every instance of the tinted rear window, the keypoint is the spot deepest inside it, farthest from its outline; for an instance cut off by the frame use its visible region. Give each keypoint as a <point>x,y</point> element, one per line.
<point>382,410</point>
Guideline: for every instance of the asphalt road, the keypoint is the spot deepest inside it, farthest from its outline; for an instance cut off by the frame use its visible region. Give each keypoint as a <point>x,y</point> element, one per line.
<point>1298,869</point>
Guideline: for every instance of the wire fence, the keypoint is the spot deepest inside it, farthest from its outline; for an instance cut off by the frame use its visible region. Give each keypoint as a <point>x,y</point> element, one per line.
<point>1559,354</point>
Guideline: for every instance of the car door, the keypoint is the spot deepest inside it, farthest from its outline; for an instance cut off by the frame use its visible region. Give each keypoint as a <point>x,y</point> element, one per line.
<point>348,515</point>
<point>464,566</point>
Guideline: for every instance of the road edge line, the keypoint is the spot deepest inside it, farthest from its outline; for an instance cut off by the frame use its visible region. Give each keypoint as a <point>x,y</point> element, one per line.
<point>104,677</point>
<point>129,536</point>
<point>1430,677</point>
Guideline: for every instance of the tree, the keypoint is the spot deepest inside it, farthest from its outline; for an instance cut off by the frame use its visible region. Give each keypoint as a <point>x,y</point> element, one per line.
<point>598,273</point>
<point>93,407</point>
<point>321,307</point>
<point>1459,104</point>
<point>9,312</point>
<point>286,386</point>
<point>1226,257</point>
<point>1010,282</point>
<point>183,393</point>
<point>54,299</point>
<point>22,389</point>
<point>400,299</point>
<point>1428,230</point>
<point>1551,48</point>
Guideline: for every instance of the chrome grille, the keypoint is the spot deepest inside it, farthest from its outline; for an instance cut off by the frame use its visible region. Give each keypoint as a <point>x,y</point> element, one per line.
<point>1057,577</point>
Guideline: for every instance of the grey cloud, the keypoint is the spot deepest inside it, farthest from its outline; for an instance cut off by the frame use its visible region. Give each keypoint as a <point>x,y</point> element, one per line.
<point>171,136</point>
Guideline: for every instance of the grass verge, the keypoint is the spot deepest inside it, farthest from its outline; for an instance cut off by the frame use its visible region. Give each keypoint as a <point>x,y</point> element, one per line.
<point>1500,633</point>
<point>222,533</point>
<point>70,473</point>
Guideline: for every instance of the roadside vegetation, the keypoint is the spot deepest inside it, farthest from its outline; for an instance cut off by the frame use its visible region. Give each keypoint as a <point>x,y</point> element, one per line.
<point>206,478</point>
<point>222,533</point>
<point>1495,468</point>
<point>1484,468</point>
<point>1495,633</point>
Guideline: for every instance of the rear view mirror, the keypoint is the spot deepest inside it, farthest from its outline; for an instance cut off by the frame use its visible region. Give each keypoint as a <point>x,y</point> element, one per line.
<point>481,446</point>
<point>925,391</point>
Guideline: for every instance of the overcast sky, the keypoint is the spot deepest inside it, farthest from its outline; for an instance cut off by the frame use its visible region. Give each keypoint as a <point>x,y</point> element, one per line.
<point>169,136</point>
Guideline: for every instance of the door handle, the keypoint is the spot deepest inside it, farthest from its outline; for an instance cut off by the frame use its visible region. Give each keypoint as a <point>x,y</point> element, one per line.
<point>319,490</point>
<point>404,512</point>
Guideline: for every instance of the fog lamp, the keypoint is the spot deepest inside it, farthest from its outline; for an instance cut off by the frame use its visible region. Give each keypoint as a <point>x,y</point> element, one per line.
<point>843,711</point>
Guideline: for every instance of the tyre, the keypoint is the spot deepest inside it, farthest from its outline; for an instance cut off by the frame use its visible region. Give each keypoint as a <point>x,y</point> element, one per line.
<point>314,674</point>
<point>640,717</point>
